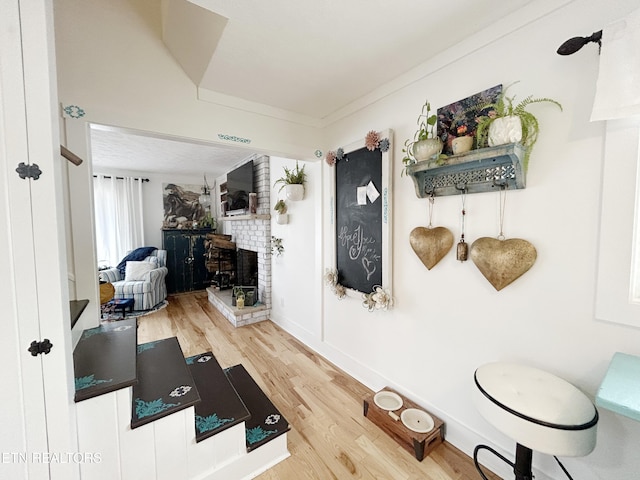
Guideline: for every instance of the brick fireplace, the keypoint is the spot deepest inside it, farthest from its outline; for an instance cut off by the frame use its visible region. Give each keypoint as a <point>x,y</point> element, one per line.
<point>251,232</point>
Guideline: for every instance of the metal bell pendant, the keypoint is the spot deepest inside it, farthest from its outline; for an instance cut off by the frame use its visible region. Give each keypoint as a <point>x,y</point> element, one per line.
<point>462,251</point>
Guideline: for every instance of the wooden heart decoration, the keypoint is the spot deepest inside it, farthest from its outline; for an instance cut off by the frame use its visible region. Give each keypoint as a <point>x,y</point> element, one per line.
<point>431,244</point>
<point>502,261</point>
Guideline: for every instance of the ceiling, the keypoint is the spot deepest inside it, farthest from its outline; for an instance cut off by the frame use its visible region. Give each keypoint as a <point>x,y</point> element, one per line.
<point>120,149</point>
<point>307,59</point>
<point>313,57</point>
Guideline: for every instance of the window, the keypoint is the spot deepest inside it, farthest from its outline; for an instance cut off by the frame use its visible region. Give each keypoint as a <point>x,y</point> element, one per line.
<point>118,217</point>
<point>618,281</point>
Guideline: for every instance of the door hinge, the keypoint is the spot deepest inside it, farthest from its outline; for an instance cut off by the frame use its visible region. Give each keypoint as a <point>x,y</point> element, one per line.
<point>31,171</point>
<point>37,348</point>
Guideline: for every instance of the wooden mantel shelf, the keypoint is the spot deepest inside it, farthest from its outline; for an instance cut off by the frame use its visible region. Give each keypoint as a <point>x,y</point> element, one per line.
<point>235,218</point>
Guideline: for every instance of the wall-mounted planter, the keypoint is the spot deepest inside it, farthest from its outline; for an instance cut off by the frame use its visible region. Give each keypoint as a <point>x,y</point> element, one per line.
<point>294,191</point>
<point>483,170</point>
<point>282,218</point>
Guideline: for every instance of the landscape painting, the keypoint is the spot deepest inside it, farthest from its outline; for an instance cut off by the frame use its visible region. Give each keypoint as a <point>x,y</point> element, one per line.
<point>182,205</point>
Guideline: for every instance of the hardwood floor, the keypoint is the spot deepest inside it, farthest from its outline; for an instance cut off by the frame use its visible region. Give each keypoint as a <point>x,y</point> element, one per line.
<point>329,437</point>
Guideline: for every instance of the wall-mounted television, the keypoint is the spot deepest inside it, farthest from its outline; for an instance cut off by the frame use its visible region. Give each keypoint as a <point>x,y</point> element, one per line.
<point>239,185</point>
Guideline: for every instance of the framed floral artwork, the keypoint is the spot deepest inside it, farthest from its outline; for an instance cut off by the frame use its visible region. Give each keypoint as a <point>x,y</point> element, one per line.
<point>460,118</point>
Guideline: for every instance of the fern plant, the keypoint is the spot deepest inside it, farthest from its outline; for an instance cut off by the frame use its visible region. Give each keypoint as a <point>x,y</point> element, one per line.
<point>292,176</point>
<point>505,106</point>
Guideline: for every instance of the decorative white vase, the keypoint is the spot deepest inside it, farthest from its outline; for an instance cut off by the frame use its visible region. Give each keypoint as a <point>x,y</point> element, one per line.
<point>294,191</point>
<point>461,144</point>
<point>505,130</point>
<point>282,218</point>
<point>426,149</point>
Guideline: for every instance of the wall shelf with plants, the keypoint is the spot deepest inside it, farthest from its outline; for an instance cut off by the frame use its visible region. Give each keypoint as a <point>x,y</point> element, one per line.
<point>483,170</point>
<point>488,119</point>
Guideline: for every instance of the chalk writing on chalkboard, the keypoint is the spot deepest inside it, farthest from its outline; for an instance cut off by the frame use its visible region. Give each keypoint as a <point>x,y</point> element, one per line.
<point>361,249</point>
<point>359,210</point>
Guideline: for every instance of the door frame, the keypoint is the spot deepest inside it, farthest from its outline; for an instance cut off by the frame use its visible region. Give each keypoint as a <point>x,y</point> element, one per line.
<point>39,408</point>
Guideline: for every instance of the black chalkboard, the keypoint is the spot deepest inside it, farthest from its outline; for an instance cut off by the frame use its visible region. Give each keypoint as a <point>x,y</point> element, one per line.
<point>359,223</point>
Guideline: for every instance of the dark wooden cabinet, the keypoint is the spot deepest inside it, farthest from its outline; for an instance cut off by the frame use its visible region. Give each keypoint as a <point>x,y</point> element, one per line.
<point>186,260</point>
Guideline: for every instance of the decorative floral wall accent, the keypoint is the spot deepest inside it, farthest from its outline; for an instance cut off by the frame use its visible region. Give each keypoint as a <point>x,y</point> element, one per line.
<point>379,299</point>
<point>331,279</point>
<point>372,141</point>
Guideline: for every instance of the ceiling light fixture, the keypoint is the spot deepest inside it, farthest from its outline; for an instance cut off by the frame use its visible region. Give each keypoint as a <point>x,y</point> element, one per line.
<point>205,198</point>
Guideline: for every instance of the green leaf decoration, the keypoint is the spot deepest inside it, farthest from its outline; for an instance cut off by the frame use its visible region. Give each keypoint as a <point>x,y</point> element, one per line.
<point>91,332</point>
<point>147,346</point>
<point>89,381</point>
<point>206,424</point>
<point>146,409</point>
<point>256,434</point>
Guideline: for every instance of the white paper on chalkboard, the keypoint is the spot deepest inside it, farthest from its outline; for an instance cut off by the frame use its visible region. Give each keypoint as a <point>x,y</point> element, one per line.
<point>362,195</point>
<point>372,192</point>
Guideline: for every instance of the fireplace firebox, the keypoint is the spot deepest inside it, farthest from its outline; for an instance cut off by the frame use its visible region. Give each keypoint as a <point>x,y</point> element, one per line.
<point>247,268</point>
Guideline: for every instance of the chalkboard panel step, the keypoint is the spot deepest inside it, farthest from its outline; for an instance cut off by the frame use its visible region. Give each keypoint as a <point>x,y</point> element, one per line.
<point>266,422</point>
<point>220,406</point>
<point>104,359</point>
<point>165,385</point>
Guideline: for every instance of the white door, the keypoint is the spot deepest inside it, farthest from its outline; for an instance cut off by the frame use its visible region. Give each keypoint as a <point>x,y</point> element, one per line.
<point>37,413</point>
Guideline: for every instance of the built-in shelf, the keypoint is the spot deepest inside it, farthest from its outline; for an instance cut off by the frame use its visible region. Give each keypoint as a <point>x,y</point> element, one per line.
<point>76,307</point>
<point>235,218</point>
<point>483,170</point>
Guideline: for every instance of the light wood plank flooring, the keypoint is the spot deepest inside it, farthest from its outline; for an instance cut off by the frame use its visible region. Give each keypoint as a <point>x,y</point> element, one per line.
<point>329,438</point>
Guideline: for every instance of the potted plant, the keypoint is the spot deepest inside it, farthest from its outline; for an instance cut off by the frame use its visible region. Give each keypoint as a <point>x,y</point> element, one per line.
<point>462,142</point>
<point>425,144</point>
<point>508,122</point>
<point>281,208</point>
<point>237,294</point>
<point>293,182</point>
<point>240,299</point>
<point>276,246</point>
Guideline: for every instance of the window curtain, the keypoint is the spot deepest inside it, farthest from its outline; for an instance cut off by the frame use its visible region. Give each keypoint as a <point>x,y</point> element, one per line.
<point>119,217</point>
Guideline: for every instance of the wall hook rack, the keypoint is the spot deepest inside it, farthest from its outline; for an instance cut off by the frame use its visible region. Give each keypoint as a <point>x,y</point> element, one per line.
<point>483,170</point>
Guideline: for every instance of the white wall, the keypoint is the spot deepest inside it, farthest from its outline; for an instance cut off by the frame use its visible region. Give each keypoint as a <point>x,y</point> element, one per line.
<point>295,278</point>
<point>449,320</point>
<point>112,64</point>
